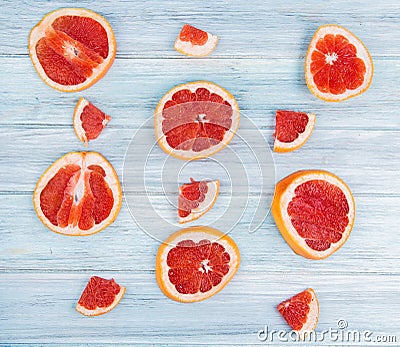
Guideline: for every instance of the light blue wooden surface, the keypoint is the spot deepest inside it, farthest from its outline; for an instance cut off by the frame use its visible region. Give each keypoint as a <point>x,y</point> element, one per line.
<point>260,60</point>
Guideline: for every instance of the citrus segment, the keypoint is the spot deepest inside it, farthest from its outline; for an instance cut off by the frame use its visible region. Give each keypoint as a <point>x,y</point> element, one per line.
<point>196,263</point>
<point>99,296</point>
<point>292,130</point>
<point>72,48</point>
<point>195,120</point>
<point>196,198</point>
<point>338,66</point>
<point>79,194</point>
<point>195,42</point>
<point>88,120</point>
<point>301,312</point>
<point>314,211</point>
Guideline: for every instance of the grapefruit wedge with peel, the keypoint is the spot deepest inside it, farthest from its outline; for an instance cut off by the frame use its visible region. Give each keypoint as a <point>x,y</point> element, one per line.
<point>195,263</point>
<point>314,210</point>
<point>78,195</point>
<point>301,312</point>
<point>292,130</point>
<point>338,66</point>
<point>88,120</point>
<point>195,42</point>
<point>195,120</point>
<point>196,198</point>
<point>72,48</point>
<point>99,296</point>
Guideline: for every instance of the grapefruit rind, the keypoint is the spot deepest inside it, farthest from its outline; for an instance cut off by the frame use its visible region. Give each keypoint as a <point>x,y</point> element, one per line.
<point>190,154</point>
<point>39,31</point>
<point>101,310</point>
<point>312,317</point>
<point>284,193</point>
<point>205,206</point>
<point>196,234</point>
<point>362,53</point>
<point>189,49</point>
<point>284,147</point>
<point>77,123</point>
<point>91,158</point>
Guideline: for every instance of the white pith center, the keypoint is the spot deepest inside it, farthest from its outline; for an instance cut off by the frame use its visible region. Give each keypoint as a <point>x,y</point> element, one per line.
<point>201,117</point>
<point>70,50</point>
<point>204,266</point>
<point>79,191</point>
<point>330,58</point>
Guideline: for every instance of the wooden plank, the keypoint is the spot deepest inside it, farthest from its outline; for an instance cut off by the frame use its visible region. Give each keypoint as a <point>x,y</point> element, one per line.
<point>26,244</point>
<point>145,316</point>
<point>132,88</point>
<point>342,152</point>
<point>260,30</point>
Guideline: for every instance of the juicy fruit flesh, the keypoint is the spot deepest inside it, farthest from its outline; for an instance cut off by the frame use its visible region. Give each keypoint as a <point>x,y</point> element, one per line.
<point>319,213</point>
<point>76,197</point>
<point>93,121</point>
<point>335,66</point>
<point>99,292</point>
<point>196,120</point>
<point>190,197</point>
<point>289,125</point>
<point>71,48</point>
<point>197,267</point>
<point>295,310</point>
<point>193,35</point>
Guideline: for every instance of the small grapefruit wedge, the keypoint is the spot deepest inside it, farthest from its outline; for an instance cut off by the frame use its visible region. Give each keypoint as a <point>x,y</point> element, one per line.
<point>99,296</point>
<point>338,66</point>
<point>292,130</point>
<point>195,120</point>
<point>88,120</point>
<point>72,48</point>
<point>78,195</point>
<point>314,210</point>
<point>301,312</point>
<point>195,263</point>
<point>196,198</point>
<point>195,42</point>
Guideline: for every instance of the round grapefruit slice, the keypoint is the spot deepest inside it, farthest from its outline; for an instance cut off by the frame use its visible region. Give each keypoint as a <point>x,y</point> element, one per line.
<point>195,120</point>
<point>292,130</point>
<point>88,120</point>
<point>195,42</point>
<point>99,296</point>
<point>78,195</point>
<point>314,210</point>
<point>301,312</point>
<point>196,263</point>
<point>196,199</point>
<point>72,48</point>
<point>338,66</point>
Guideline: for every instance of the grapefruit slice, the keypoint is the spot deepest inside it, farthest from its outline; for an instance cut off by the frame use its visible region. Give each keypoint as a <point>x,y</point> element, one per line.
<point>301,312</point>
<point>314,210</point>
<point>72,48</point>
<point>292,130</point>
<point>195,120</point>
<point>196,199</point>
<point>88,120</point>
<point>338,66</point>
<point>78,195</point>
<point>99,296</point>
<point>196,263</point>
<point>195,42</point>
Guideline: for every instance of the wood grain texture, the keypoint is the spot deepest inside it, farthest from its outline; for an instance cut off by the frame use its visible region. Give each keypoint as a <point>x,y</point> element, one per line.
<point>259,59</point>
